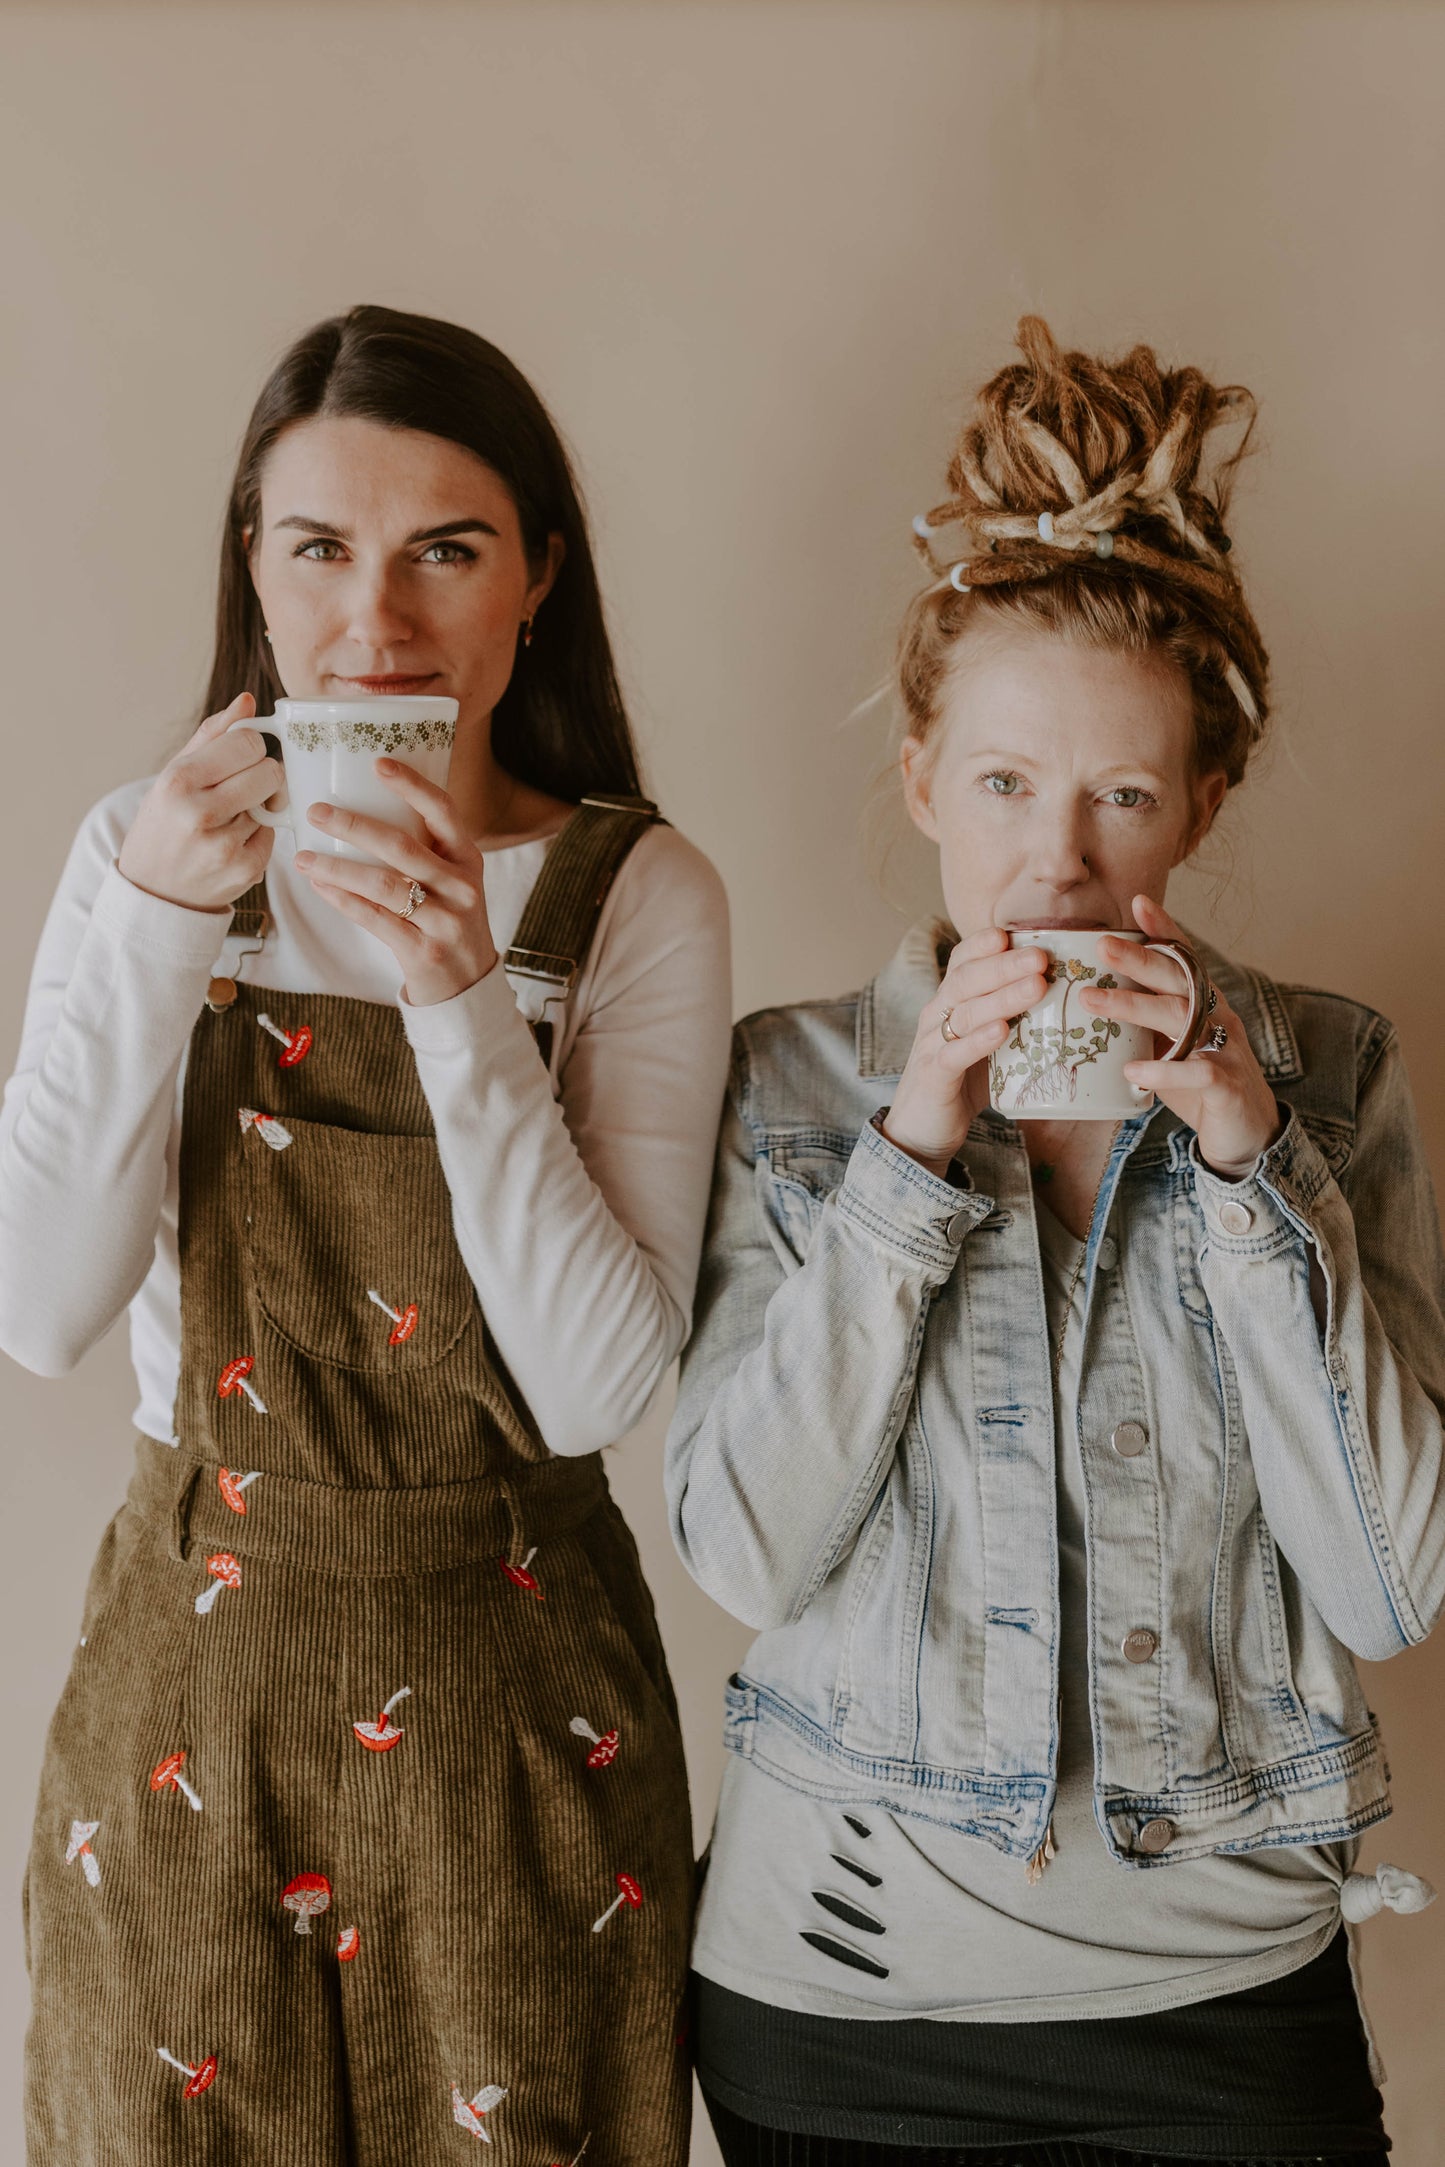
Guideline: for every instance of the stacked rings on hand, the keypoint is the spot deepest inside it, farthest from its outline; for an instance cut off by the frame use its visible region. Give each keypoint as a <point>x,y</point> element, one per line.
<point>416,895</point>
<point>1217,1040</point>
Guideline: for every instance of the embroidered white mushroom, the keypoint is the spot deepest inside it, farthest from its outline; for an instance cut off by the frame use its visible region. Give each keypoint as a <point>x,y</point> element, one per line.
<point>382,1735</point>
<point>469,2112</point>
<point>308,1896</point>
<point>166,1776</point>
<point>79,1847</point>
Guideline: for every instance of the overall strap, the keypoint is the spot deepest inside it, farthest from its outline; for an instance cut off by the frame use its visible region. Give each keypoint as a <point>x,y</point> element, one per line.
<point>561,915</point>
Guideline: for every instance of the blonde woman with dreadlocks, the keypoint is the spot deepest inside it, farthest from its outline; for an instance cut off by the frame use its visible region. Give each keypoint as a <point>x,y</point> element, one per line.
<point>1064,1468</point>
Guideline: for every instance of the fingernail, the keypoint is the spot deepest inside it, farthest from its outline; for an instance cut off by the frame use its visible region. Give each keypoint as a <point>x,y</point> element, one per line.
<point>320,814</point>
<point>386,767</point>
<point>305,859</point>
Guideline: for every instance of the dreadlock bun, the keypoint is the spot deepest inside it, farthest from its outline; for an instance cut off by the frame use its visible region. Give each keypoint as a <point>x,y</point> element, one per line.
<point>1080,489</point>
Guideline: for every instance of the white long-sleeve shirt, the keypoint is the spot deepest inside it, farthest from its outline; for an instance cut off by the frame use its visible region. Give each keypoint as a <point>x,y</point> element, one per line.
<point>578,1200</point>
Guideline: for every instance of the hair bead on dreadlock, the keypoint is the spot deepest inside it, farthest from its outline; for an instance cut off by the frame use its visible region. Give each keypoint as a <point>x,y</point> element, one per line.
<point>1080,486</point>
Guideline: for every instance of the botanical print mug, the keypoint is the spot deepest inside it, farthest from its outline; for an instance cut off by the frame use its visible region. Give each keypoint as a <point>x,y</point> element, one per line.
<point>329,749</point>
<point>1060,1063</point>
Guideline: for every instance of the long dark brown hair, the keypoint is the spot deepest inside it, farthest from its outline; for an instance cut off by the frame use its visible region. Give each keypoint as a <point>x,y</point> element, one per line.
<point>561,724</point>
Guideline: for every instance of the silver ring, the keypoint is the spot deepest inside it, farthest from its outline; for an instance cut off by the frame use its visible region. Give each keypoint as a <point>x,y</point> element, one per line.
<point>416,895</point>
<point>949,1034</point>
<point>1217,1040</point>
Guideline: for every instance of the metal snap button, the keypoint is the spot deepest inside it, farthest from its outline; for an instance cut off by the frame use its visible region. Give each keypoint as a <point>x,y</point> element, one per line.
<point>956,1227</point>
<point>1129,1439</point>
<point>1108,1253</point>
<point>1235,1218</point>
<point>1140,1644</point>
<point>1156,1836</point>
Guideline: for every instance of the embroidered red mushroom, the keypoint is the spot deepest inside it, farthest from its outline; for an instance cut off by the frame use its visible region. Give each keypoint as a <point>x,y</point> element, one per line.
<point>520,1577</point>
<point>233,1380</point>
<point>403,1320</point>
<point>383,1734</point>
<point>348,1944</point>
<point>604,1749</point>
<point>231,1486</point>
<point>267,1127</point>
<point>627,1893</point>
<point>308,1896</point>
<point>228,1575</point>
<point>79,1848</point>
<point>202,2075</point>
<point>295,1045</point>
<point>166,1776</point>
<point>469,2112</point>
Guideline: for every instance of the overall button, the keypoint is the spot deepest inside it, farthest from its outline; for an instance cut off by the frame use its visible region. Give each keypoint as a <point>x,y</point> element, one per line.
<point>1129,1439</point>
<point>1108,1253</point>
<point>1140,1644</point>
<point>1235,1218</point>
<point>1156,1836</point>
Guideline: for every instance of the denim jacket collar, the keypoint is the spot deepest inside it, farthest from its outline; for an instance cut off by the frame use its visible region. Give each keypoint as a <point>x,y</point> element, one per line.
<point>888,1007</point>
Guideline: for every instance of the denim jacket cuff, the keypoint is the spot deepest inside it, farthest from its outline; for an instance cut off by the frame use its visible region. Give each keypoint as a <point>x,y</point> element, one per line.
<point>1273,1198</point>
<point>899,1202</point>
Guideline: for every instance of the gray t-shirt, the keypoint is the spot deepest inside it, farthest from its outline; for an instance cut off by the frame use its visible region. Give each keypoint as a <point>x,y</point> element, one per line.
<point>964,1934</point>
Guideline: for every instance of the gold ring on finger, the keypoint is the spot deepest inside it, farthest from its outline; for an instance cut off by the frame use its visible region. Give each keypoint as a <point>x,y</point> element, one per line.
<point>416,895</point>
<point>949,1034</point>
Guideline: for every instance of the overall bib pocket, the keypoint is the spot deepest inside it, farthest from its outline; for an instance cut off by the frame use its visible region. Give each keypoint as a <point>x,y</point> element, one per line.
<point>340,1230</point>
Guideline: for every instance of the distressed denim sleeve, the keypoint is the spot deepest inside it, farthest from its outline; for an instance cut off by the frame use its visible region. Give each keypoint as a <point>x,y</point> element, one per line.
<point>1329,1296</point>
<point>801,1367</point>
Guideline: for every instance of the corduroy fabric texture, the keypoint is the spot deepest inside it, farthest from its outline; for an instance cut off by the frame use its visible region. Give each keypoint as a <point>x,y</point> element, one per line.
<point>405,1529</point>
<point>562,911</point>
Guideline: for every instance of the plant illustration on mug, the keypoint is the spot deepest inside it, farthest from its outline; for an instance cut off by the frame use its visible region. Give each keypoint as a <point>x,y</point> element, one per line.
<point>1052,1050</point>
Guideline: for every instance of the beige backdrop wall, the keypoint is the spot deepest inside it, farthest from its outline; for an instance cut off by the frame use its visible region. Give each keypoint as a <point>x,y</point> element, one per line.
<point>751,254</point>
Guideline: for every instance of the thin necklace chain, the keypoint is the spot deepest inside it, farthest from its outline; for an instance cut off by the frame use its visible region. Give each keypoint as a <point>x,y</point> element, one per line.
<point>1077,1272</point>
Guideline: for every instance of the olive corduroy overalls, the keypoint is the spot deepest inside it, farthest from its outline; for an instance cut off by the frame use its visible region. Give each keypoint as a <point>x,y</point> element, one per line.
<point>363,1828</point>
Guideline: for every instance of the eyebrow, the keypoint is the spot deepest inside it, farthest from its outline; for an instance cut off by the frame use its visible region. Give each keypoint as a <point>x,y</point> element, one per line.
<point>330,533</point>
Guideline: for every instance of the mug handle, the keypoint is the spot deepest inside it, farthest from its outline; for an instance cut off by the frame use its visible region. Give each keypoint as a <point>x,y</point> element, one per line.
<point>1181,953</point>
<point>281,816</point>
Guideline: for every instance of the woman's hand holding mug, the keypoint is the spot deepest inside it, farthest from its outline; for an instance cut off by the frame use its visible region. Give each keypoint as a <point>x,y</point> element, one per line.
<point>194,840</point>
<point>1220,1093</point>
<point>445,943</point>
<point>987,983</point>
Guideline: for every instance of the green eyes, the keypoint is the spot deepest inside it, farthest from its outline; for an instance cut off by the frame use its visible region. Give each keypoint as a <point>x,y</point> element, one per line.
<point>1129,797</point>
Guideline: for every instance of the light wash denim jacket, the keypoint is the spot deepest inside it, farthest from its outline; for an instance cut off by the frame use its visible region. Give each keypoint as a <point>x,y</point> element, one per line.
<point>862,1462</point>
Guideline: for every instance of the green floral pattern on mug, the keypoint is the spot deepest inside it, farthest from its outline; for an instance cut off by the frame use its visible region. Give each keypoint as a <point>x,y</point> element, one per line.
<point>311,735</point>
<point>1051,1052</point>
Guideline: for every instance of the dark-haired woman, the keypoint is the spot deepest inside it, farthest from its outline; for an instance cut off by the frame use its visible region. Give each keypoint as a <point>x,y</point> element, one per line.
<point>369,1726</point>
<point>1064,1468</point>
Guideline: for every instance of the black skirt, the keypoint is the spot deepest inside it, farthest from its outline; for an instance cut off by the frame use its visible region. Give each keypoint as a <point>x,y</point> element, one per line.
<point>1276,2072</point>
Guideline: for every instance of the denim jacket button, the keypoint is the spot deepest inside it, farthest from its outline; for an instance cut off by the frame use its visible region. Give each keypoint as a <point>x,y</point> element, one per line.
<point>958,1225</point>
<point>1129,1439</point>
<point>1235,1218</point>
<point>1108,1253</point>
<point>1156,1836</point>
<point>1140,1644</point>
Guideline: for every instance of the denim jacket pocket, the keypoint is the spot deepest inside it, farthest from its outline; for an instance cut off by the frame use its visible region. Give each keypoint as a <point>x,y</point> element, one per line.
<point>802,1169</point>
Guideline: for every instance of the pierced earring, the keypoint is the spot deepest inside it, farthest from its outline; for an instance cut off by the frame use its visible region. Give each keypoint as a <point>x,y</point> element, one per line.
<point>527,624</point>
<point>265,635</point>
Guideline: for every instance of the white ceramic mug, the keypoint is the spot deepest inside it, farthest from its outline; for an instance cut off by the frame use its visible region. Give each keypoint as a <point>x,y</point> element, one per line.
<point>1060,1063</point>
<point>329,749</point>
